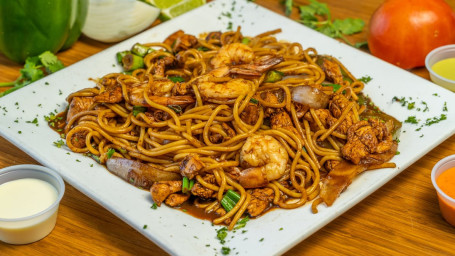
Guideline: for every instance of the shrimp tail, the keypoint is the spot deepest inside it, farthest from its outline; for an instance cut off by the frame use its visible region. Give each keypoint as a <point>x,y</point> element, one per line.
<point>253,177</point>
<point>258,68</point>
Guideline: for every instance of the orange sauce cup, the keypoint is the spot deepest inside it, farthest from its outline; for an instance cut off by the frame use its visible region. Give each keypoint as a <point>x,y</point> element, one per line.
<point>444,189</point>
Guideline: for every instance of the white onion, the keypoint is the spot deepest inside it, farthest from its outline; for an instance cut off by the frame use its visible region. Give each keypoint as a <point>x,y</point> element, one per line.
<point>114,20</point>
<point>310,97</point>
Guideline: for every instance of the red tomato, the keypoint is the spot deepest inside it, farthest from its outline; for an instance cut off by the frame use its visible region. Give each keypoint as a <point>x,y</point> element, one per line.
<point>403,32</point>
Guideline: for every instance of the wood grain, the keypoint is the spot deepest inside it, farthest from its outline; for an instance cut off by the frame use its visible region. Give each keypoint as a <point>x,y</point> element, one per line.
<point>401,218</point>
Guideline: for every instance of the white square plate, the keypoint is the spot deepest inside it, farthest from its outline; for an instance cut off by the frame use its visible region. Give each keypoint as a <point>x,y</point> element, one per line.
<point>175,231</point>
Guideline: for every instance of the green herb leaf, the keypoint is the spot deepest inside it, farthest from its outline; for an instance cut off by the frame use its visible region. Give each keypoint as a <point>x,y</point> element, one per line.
<point>242,223</point>
<point>361,44</point>
<point>154,206</point>
<point>221,234</point>
<point>411,120</point>
<point>225,250</point>
<point>110,152</point>
<point>59,143</point>
<point>176,79</point>
<point>254,101</point>
<point>138,109</point>
<point>336,87</point>
<point>50,62</point>
<point>349,26</point>
<point>177,109</point>
<point>288,7</point>
<point>365,79</point>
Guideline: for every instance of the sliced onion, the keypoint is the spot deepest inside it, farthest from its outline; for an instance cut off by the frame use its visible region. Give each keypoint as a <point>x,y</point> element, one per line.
<point>310,97</point>
<point>114,20</point>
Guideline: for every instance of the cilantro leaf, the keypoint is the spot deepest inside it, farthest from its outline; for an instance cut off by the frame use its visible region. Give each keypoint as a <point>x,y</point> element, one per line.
<point>349,26</point>
<point>365,79</point>
<point>319,8</point>
<point>176,79</point>
<point>50,62</point>
<point>288,7</point>
<point>35,68</point>
<point>110,152</point>
<point>317,16</point>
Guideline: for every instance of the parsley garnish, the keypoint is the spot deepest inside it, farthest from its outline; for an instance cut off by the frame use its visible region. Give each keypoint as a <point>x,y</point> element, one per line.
<point>176,79</point>
<point>59,143</point>
<point>221,234</point>
<point>317,16</point>
<point>225,250</point>
<point>34,121</point>
<point>154,206</point>
<point>411,120</point>
<point>177,109</point>
<point>110,152</point>
<point>242,223</point>
<point>34,69</point>
<point>335,87</point>
<point>144,227</point>
<point>365,79</point>
<point>435,120</point>
<point>138,109</point>
<point>254,101</point>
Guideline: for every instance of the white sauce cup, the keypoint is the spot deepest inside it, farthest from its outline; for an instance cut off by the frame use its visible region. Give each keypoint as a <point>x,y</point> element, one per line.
<point>31,228</point>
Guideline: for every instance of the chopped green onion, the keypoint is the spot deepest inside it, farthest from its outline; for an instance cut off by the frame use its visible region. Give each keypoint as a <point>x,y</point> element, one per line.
<point>110,152</point>
<point>177,109</point>
<point>191,184</point>
<point>203,49</point>
<point>120,56</point>
<point>241,223</point>
<point>176,79</point>
<point>335,87</point>
<point>95,157</point>
<point>185,184</point>
<point>233,195</point>
<point>227,203</point>
<point>229,200</point>
<point>254,101</point>
<point>245,40</point>
<point>138,109</point>
<point>141,50</point>
<point>132,62</point>
<point>273,76</point>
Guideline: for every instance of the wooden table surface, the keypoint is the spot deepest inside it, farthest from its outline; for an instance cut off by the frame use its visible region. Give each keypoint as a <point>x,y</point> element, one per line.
<point>401,218</point>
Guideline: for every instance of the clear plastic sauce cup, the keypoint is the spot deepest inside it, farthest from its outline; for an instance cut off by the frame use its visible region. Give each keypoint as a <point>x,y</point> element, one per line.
<point>29,199</point>
<point>446,202</point>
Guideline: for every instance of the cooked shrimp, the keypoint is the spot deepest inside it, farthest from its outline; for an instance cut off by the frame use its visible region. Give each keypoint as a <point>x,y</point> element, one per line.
<point>233,54</point>
<point>160,94</point>
<point>228,90</point>
<point>225,92</point>
<point>265,160</point>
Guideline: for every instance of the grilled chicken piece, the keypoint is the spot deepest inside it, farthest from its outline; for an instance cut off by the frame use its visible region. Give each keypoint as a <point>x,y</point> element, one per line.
<point>176,199</point>
<point>365,138</point>
<point>79,104</point>
<point>162,189</point>
<point>180,41</point>
<point>332,70</point>
<point>191,165</point>
<point>112,94</point>
<point>201,191</point>
<point>250,114</point>
<point>260,200</point>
